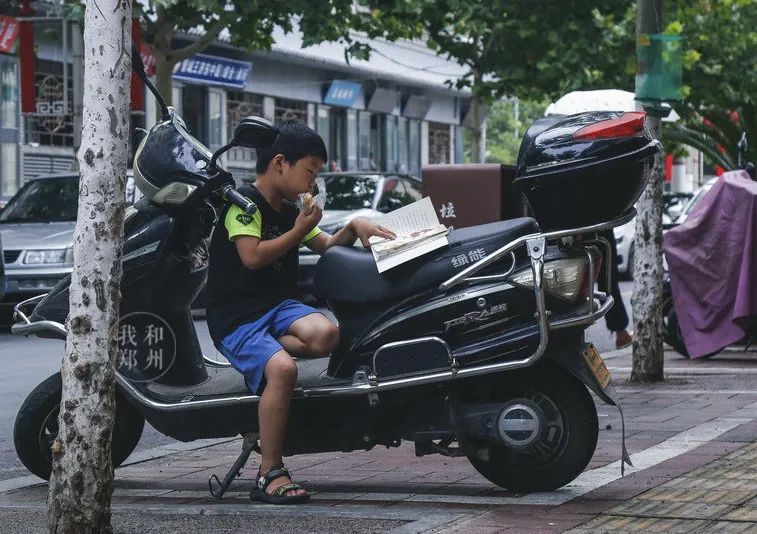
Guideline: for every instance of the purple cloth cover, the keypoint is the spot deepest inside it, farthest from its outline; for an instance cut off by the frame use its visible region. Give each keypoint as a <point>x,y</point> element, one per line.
<point>712,258</point>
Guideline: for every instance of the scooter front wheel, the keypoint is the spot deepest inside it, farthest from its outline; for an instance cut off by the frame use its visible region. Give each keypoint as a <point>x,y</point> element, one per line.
<point>36,427</point>
<point>548,428</point>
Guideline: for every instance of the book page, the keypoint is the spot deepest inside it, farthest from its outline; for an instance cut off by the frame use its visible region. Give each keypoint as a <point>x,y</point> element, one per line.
<point>419,215</point>
<point>418,232</point>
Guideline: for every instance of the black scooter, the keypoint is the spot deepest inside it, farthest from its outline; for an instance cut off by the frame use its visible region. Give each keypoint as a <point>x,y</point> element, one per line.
<point>476,349</point>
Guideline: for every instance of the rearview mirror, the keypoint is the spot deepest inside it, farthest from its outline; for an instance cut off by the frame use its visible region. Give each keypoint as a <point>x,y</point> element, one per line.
<point>254,132</point>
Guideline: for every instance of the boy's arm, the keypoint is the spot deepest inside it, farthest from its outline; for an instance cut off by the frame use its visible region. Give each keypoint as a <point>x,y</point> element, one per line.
<point>357,228</point>
<point>254,252</point>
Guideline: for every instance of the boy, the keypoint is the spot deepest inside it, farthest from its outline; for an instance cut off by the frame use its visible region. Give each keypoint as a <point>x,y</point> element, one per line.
<point>252,280</point>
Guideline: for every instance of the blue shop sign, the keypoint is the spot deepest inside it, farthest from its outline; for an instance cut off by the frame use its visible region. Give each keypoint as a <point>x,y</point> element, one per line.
<point>342,93</point>
<point>213,70</point>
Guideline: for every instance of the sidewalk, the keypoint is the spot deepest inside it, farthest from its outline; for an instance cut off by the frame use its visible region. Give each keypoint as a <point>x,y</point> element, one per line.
<point>693,440</point>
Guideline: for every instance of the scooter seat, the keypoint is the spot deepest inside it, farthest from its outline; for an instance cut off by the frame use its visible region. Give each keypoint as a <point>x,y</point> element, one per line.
<point>349,273</point>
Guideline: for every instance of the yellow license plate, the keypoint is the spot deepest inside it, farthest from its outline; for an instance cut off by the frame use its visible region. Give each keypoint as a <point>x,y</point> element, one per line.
<point>597,366</point>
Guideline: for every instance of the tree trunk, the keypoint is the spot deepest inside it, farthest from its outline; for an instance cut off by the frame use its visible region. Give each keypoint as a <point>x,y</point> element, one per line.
<point>81,483</point>
<point>478,130</point>
<point>163,77</point>
<point>648,355</point>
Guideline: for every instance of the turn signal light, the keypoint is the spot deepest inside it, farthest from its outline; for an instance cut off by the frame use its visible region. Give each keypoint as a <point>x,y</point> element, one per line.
<point>626,125</point>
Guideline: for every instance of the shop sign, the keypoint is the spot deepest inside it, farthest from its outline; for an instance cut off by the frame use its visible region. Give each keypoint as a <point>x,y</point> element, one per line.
<point>8,32</point>
<point>342,93</point>
<point>213,70</point>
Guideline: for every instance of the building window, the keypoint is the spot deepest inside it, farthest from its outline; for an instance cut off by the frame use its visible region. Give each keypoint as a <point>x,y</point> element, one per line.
<point>351,142</point>
<point>238,106</point>
<point>438,143</point>
<point>8,169</point>
<point>176,96</point>
<point>9,90</point>
<point>52,123</point>
<point>323,127</point>
<point>216,118</point>
<point>403,163</point>
<point>290,110</point>
<point>459,144</point>
<point>414,147</point>
<point>391,143</point>
<point>364,141</point>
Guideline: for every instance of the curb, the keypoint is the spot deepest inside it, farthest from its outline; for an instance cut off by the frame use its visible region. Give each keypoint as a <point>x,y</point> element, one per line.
<point>147,455</point>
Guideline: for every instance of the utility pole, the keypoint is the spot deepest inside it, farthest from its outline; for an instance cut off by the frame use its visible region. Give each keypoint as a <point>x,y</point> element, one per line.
<point>648,355</point>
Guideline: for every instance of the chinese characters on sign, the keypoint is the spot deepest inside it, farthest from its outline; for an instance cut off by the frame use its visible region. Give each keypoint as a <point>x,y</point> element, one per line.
<point>214,71</point>
<point>342,93</point>
<point>447,211</point>
<point>146,346</point>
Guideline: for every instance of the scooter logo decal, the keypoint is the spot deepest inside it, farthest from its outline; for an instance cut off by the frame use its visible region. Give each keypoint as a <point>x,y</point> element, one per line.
<point>481,316</point>
<point>244,218</point>
<point>469,258</point>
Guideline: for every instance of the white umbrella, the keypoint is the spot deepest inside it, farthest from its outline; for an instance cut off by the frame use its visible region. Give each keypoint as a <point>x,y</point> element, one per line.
<point>600,100</point>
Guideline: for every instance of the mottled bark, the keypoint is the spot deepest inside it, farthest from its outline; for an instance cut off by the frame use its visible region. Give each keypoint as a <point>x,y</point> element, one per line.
<point>81,483</point>
<point>647,274</point>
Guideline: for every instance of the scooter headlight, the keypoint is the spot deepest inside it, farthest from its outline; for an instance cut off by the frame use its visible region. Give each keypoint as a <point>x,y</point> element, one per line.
<point>567,278</point>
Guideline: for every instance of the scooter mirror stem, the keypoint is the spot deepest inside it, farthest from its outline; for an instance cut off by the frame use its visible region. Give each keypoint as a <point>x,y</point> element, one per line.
<point>139,67</point>
<point>217,154</point>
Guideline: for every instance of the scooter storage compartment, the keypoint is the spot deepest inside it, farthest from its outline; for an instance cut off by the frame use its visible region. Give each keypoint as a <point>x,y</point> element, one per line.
<point>411,357</point>
<point>584,169</point>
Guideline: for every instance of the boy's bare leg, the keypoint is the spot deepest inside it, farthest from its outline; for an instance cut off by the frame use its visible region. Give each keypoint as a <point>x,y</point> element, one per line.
<point>273,412</point>
<point>312,336</point>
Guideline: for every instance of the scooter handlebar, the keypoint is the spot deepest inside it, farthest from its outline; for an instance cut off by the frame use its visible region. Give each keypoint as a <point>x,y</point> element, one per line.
<point>238,199</point>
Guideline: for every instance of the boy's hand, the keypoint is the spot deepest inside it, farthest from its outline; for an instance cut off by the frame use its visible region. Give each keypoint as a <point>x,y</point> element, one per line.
<point>307,220</point>
<point>364,229</point>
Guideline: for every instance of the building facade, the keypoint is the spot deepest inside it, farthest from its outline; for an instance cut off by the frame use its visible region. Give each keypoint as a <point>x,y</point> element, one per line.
<point>394,112</point>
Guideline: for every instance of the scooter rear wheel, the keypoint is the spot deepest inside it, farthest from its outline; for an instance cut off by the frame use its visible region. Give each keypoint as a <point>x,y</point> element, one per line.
<point>36,427</point>
<point>567,439</point>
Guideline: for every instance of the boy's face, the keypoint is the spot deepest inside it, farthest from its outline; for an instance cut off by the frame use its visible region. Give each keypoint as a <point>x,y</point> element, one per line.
<point>297,178</point>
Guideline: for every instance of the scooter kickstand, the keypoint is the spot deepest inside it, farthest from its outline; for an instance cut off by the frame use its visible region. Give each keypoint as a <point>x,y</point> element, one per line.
<point>249,444</point>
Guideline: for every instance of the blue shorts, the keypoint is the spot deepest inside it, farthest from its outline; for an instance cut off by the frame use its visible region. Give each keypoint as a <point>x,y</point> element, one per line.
<point>250,346</point>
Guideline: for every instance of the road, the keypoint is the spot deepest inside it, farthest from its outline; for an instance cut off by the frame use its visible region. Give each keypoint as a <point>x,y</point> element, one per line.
<point>26,362</point>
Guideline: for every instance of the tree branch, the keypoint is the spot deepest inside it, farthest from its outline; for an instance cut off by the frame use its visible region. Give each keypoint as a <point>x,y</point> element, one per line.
<point>210,35</point>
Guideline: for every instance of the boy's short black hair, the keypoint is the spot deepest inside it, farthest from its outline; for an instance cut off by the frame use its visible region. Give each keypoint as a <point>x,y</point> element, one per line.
<point>295,141</point>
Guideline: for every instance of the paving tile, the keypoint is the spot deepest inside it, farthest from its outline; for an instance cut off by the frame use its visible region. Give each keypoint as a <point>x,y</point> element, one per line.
<point>747,512</point>
<point>609,524</point>
<point>730,527</point>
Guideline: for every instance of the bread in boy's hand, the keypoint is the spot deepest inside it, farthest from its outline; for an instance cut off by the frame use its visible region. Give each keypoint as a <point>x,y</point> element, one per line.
<point>307,202</point>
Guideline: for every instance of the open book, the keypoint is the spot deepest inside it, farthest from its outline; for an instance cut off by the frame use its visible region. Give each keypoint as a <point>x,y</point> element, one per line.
<point>418,232</point>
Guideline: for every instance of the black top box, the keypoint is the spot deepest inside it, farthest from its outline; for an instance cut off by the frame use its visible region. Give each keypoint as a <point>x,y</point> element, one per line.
<point>584,169</point>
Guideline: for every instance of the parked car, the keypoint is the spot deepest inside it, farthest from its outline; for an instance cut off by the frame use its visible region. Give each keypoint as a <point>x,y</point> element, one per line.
<point>37,230</point>
<point>624,237</point>
<point>695,198</point>
<point>357,194</point>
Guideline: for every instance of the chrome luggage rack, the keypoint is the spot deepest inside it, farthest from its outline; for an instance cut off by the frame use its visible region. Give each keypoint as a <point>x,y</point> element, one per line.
<point>369,384</point>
